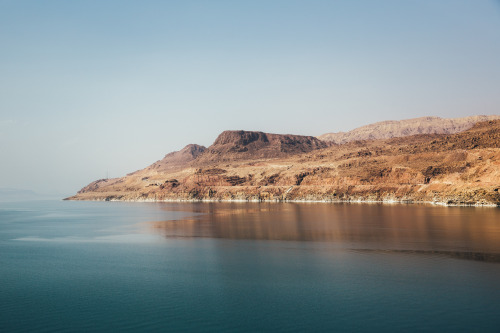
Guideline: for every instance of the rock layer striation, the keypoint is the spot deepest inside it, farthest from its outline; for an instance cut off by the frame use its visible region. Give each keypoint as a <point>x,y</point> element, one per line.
<point>451,169</point>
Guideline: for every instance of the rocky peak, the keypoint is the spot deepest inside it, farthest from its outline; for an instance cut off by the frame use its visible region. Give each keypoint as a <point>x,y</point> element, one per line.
<point>240,138</point>
<point>192,150</point>
<point>179,158</point>
<point>248,145</point>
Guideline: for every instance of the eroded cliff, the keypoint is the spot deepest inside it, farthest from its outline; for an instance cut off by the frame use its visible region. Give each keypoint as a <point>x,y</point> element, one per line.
<point>461,169</point>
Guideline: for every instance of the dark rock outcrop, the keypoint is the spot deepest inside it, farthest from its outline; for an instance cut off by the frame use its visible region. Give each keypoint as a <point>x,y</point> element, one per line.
<point>249,145</point>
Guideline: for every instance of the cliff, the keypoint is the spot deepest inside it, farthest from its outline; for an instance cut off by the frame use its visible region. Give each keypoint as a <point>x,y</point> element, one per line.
<point>453,169</point>
<point>248,145</point>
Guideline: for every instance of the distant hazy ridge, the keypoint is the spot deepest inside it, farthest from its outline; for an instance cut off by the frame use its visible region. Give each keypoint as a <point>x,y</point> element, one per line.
<point>399,128</point>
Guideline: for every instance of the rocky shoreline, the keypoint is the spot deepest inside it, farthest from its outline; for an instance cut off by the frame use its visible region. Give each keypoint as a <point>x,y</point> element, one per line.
<point>460,169</point>
<point>463,200</point>
<point>359,201</point>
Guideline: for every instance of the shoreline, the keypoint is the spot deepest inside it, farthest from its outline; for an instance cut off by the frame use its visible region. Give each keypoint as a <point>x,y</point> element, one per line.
<point>357,201</point>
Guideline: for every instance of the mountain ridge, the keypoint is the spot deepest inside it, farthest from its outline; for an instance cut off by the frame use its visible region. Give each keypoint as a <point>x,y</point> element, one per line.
<point>453,169</point>
<point>401,128</point>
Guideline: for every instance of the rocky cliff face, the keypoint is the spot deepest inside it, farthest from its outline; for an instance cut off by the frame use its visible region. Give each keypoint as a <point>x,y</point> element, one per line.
<point>392,128</point>
<point>248,145</point>
<point>461,168</point>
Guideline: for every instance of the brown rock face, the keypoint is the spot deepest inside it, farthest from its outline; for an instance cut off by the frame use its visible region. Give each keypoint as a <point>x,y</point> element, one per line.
<point>461,169</point>
<point>239,145</point>
<point>178,159</point>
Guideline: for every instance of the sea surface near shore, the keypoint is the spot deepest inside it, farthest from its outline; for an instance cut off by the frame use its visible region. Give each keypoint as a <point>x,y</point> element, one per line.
<point>240,266</point>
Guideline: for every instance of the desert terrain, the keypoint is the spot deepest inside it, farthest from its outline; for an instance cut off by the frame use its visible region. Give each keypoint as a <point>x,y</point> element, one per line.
<point>462,168</point>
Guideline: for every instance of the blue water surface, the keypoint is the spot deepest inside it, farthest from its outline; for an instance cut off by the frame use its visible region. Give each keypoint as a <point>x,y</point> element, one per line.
<point>248,267</point>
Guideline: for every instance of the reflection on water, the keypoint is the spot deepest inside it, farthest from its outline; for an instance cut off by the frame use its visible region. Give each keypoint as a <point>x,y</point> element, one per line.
<point>462,232</point>
<point>477,256</point>
<point>247,267</point>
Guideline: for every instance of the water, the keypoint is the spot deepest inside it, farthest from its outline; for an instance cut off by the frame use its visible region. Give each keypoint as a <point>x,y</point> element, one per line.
<point>225,267</point>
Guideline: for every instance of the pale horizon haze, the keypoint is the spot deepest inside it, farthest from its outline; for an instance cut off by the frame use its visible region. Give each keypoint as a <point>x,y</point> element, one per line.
<point>96,88</point>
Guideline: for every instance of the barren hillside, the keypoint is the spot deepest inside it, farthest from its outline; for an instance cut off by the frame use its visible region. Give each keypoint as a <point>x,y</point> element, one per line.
<point>400,128</point>
<point>462,168</point>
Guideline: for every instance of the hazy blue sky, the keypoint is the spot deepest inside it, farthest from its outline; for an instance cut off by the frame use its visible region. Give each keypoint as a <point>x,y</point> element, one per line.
<point>90,86</point>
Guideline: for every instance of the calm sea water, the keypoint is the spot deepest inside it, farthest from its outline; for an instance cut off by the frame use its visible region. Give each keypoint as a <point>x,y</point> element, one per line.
<point>225,267</point>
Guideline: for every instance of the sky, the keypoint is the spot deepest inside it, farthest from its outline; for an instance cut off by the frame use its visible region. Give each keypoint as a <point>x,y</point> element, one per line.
<point>94,88</point>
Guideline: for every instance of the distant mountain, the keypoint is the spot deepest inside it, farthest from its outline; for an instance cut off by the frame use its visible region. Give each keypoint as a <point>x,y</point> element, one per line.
<point>10,194</point>
<point>400,128</point>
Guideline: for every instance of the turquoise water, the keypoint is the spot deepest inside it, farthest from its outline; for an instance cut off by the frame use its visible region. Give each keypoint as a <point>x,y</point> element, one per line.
<point>220,267</point>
